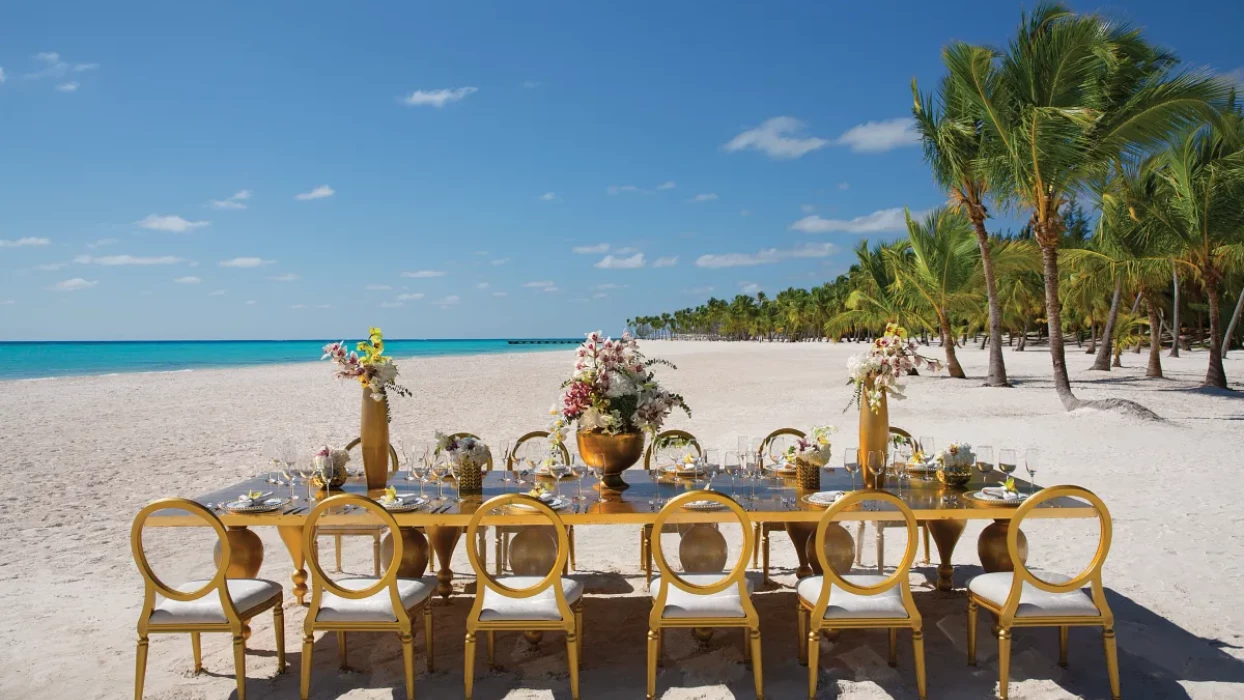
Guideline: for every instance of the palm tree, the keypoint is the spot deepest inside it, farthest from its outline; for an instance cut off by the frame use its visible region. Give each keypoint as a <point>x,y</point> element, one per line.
<point>872,302</point>
<point>1070,94</point>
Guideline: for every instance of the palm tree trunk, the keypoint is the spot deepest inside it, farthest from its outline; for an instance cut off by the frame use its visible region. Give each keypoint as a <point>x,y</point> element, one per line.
<point>1175,314</point>
<point>948,344</point>
<point>1215,376</point>
<point>1102,361</point>
<point>997,367</point>
<point>1092,348</point>
<point>1235,317</point>
<point>1053,313</point>
<point>1155,339</point>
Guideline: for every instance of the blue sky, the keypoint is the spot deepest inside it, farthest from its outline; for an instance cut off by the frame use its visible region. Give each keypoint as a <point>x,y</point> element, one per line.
<point>282,170</point>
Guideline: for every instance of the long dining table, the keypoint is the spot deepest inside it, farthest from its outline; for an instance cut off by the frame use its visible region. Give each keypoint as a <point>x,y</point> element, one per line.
<point>945,510</point>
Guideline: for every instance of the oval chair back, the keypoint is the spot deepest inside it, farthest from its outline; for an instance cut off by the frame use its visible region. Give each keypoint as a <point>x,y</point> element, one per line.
<point>320,581</point>
<point>529,438</point>
<point>459,436</point>
<point>393,465</point>
<point>1090,576</point>
<point>664,438</point>
<point>772,438</point>
<point>550,580</point>
<point>153,584</point>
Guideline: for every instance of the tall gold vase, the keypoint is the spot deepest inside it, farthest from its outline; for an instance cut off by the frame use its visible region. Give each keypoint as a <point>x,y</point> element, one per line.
<point>874,435</point>
<point>374,434</point>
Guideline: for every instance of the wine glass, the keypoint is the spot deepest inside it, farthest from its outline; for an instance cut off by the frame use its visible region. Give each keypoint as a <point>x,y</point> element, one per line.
<point>710,462</point>
<point>876,465</point>
<point>901,454</point>
<point>439,466</point>
<point>851,462</point>
<point>306,470</point>
<point>1007,461</point>
<point>655,502</point>
<point>984,460</point>
<point>1032,462</point>
<point>731,468</point>
<point>578,470</point>
<point>926,447</point>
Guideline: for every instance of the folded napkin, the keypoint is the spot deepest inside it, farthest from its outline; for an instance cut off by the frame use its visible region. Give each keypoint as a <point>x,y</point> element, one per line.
<point>825,496</point>
<point>998,492</point>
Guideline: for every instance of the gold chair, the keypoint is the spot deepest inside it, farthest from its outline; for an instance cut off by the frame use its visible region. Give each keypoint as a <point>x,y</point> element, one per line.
<point>375,532</point>
<point>503,533</point>
<point>663,440</point>
<point>774,443</point>
<point>1020,598</point>
<point>535,598</point>
<point>380,604</point>
<point>706,597</point>
<point>856,601</point>
<point>217,604</point>
<point>896,434</point>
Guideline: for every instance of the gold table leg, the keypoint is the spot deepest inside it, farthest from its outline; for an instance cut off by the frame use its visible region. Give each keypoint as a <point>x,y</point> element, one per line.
<point>839,549</point>
<point>800,533</point>
<point>444,539</point>
<point>946,535</point>
<point>414,553</point>
<point>247,553</point>
<point>991,547</point>
<point>291,535</point>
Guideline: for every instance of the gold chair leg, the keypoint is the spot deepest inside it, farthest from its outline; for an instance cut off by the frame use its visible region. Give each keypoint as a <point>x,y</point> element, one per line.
<point>499,540</point>
<point>1062,645</point>
<point>239,664</point>
<point>1004,663</point>
<point>483,550</point>
<point>337,548</point>
<point>468,666</point>
<point>880,549</point>
<point>375,553</point>
<point>341,650</point>
<point>801,622</point>
<point>570,537</point>
<point>917,648</point>
<point>278,622</point>
<point>661,647</point>
<point>1112,660</point>
<point>757,665</point>
<point>764,555</point>
<point>308,645</point>
<point>572,657</point>
<point>812,649</point>
<point>973,610</point>
<point>652,663</point>
<point>747,648</point>
<point>196,645</point>
<point>491,638</point>
<point>756,547</point>
<point>859,543</point>
<point>893,647</point>
<point>927,560</point>
<point>648,534</point>
<point>427,634</point>
<point>140,668</point>
<point>578,627</point>
<point>408,662</point>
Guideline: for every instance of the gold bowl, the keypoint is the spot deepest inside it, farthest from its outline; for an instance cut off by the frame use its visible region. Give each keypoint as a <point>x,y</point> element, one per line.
<point>612,454</point>
<point>955,476</point>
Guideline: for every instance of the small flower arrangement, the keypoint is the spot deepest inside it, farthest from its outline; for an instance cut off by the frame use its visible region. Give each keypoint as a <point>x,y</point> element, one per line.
<point>816,449</point>
<point>330,467</point>
<point>465,452</point>
<point>886,365</point>
<point>955,463</point>
<point>613,390</point>
<point>373,369</point>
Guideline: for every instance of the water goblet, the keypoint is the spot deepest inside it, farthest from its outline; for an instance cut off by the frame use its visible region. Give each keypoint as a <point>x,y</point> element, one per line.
<point>876,465</point>
<point>926,447</point>
<point>578,470</point>
<point>1032,462</point>
<point>851,462</point>
<point>984,460</point>
<point>1007,461</point>
<point>731,467</point>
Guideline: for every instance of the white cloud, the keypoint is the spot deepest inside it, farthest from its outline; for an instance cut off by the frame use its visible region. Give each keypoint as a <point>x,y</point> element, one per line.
<point>325,306</point>
<point>188,280</point>
<point>749,287</point>
<point>250,302</point>
<point>778,137</point>
<point>745,212</point>
<point>245,262</point>
<point>766,256</point>
<point>53,66</point>
<point>500,294</point>
<point>318,193</point>
<point>85,66</point>
<point>618,189</point>
<point>551,290</point>
<point>609,285</point>
<point>237,200</point>
<point>531,84</point>
<point>73,285</point>
<point>217,293</point>
<point>599,295</point>
<point>114,260</point>
<point>170,222</point>
<point>880,221</point>
<point>71,86</point>
<point>391,304</point>
<point>24,242</point>
<point>483,285</point>
<point>438,98</point>
<point>500,261</point>
<point>48,56</point>
<point>807,208</point>
<point>668,185</point>
<point>424,274</point>
<point>875,137</point>
<point>101,243</point>
<point>705,197</point>
<point>6,302</point>
<point>287,277</point>
<point>844,186</point>
<point>613,262</point>
<point>450,300</point>
<point>666,262</point>
<point>591,249</point>
<point>410,297</point>
<point>548,196</point>
<point>298,306</point>
<point>378,287</point>
<point>540,284</point>
<point>49,267</point>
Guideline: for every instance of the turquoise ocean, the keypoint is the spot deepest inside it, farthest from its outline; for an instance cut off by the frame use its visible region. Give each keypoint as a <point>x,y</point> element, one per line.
<point>40,360</point>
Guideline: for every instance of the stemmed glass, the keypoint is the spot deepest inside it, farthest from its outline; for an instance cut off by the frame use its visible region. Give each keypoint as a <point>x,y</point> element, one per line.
<point>876,465</point>
<point>1007,461</point>
<point>1032,462</point>
<point>731,467</point>
<point>578,470</point>
<point>710,462</point>
<point>900,456</point>
<point>926,447</point>
<point>306,470</point>
<point>851,462</point>
<point>655,502</point>
<point>439,466</point>
<point>984,460</point>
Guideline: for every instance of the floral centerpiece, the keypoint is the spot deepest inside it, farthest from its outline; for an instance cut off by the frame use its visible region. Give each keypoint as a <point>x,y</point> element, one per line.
<point>469,457</point>
<point>809,454</point>
<point>329,466</point>
<point>613,398</point>
<point>377,373</point>
<point>955,464</point>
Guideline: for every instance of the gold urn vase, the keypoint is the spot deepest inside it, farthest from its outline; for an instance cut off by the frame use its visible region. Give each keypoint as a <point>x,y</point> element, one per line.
<point>374,436</point>
<point>612,454</point>
<point>874,436</point>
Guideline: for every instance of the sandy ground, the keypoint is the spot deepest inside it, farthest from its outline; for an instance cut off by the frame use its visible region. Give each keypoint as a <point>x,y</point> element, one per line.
<point>89,452</point>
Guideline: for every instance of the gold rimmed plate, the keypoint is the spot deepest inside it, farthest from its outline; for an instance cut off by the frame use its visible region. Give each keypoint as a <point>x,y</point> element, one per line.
<point>404,503</point>
<point>823,499</point>
<point>991,497</point>
<point>266,505</point>
<point>556,503</point>
<point>704,505</point>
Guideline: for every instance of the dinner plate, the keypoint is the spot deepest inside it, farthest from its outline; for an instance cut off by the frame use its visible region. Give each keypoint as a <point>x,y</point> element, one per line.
<point>781,468</point>
<point>921,468</point>
<point>555,503</point>
<point>559,472</point>
<point>265,506</point>
<point>988,496</point>
<point>405,502</point>
<point>704,505</point>
<point>825,497</point>
<point>680,470</point>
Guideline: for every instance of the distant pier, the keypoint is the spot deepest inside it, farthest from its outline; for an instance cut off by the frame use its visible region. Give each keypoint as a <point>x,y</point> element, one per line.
<point>550,341</point>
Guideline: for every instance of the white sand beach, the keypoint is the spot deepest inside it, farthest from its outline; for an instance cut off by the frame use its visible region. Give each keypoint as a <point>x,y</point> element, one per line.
<point>88,452</point>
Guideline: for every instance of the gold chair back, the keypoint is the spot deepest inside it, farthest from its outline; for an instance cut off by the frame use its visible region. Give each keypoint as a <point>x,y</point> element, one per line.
<point>773,437</point>
<point>154,584</point>
<point>393,465</point>
<point>459,436</point>
<point>550,580</point>
<point>663,439</point>
<point>529,437</point>
<point>1091,575</point>
<point>320,580</point>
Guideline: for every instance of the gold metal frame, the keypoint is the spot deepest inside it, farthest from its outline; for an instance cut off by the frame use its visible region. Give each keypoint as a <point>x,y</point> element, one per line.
<point>236,620</point>
<point>763,529</point>
<point>811,618</point>
<point>645,535</point>
<point>572,617</point>
<point>736,578</point>
<point>503,533</point>
<point>881,526</point>
<point>1023,576</point>
<point>321,582</point>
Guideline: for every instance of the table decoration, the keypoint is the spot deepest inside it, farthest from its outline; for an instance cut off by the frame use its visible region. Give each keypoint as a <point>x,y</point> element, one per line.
<point>810,454</point>
<point>329,468</point>
<point>613,399</point>
<point>468,457</point>
<point>877,374</point>
<point>377,373</point>
<point>1007,495</point>
<point>955,464</point>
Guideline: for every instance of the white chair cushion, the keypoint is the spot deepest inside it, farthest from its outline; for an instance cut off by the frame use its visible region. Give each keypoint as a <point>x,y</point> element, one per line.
<point>246,594</point>
<point>684,605</point>
<point>374,608</point>
<point>1033,601</point>
<point>541,606</point>
<point>844,605</point>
